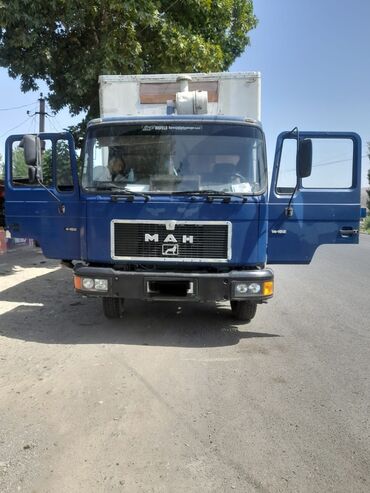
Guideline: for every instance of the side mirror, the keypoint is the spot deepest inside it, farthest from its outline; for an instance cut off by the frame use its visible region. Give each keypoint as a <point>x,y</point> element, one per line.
<point>32,174</point>
<point>32,155</point>
<point>304,158</point>
<point>32,149</point>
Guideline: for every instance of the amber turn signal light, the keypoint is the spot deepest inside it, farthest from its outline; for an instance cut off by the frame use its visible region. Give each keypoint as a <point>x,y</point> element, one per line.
<point>268,288</point>
<point>77,282</point>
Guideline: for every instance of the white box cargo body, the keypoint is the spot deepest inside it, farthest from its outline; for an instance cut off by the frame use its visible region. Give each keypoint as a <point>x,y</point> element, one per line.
<point>233,94</point>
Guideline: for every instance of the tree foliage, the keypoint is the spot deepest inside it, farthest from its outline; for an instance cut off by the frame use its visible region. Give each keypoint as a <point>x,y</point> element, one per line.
<point>69,43</point>
<point>19,166</point>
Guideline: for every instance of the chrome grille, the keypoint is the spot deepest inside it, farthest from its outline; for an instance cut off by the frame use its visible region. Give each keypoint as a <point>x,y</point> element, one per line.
<point>208,241</point>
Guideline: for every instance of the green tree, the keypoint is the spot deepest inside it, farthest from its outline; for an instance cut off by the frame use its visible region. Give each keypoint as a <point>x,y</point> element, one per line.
<point>19,166</point>
<point>46,166</point>
<point>69,43</point>
<point>63,164</point>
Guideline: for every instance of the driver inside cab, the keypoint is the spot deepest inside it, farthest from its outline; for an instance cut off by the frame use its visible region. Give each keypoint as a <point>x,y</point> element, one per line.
<point>117,168</point>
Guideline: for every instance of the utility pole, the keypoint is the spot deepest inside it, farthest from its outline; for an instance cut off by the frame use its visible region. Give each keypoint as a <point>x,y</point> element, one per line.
<point>41,113</point>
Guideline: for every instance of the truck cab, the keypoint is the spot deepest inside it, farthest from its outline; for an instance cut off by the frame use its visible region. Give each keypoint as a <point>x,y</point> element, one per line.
<point>176,206</point>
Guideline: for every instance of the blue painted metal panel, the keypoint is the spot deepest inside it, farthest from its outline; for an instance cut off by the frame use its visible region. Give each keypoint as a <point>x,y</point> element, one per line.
<point>246,246</point>
<point>32,212</point>
<point>83,231</point>
<point>319,214</point>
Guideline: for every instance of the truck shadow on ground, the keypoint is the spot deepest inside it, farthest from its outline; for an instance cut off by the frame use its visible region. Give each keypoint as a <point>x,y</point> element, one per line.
<point>11,262</point>
<point>46,310</point>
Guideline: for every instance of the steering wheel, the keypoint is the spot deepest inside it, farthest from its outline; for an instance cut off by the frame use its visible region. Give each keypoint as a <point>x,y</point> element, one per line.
<point>238,175</point>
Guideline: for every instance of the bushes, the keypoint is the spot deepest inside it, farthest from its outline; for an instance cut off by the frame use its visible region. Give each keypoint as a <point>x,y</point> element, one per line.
<point>366,224</point>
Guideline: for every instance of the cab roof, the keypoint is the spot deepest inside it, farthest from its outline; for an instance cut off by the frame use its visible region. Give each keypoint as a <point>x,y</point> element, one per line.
<point>176,118</point>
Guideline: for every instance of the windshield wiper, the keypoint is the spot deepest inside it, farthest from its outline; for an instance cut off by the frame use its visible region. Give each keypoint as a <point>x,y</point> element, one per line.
<point>117,191</point>
<point>211,194</point>
<point>122,192</point>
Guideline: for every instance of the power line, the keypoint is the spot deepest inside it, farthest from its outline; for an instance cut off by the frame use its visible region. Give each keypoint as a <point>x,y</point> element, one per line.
<point>52,123</point>
<point>32,125</point>
<point>326,163</point>
<point>17,107</point>
<point>54,117</point>
<point>13,128</point>
<point>58,122</point>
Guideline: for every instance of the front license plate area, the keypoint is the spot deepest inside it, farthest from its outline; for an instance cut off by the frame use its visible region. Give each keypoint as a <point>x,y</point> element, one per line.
<point>170,289</point>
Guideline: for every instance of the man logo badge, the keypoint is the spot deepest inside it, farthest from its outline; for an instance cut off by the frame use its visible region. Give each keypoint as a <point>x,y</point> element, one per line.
<point>170,247</point>
<point>170,250</point>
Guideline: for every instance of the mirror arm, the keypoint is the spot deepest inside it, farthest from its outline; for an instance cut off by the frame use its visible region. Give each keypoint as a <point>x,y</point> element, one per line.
<point>289,209</point>
<point>61,207</point>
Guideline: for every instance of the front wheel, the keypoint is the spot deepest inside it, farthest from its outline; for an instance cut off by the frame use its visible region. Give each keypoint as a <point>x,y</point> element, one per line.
<point>113,307</point>
<point>243,310</point>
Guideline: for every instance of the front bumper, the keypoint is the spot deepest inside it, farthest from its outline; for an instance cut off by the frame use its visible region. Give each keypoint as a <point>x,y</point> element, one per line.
<point>180,286</point>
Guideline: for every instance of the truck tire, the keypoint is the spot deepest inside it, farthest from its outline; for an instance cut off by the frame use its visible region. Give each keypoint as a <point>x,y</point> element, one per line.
<point>243,310</point>
<point>113,307</point>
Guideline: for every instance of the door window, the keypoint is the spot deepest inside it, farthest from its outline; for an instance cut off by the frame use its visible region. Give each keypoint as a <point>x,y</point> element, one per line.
<point>63,166</point>
<point>55,165</point>
<point>287,176</point>
<point>20,169</point>
<point>332,165</point>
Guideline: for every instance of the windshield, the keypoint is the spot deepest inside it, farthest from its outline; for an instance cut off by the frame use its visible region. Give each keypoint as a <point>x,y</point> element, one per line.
<point>175,157</point>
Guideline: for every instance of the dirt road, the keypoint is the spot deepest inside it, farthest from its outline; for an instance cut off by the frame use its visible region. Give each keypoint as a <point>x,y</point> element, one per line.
<point>179,399</point>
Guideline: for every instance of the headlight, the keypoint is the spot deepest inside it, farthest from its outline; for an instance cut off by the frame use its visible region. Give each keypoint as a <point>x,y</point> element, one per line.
<point>87,283</point>
<point>241,288</point>
<point>101,284</point>
<point>245,289</point>
<point>254,288</point>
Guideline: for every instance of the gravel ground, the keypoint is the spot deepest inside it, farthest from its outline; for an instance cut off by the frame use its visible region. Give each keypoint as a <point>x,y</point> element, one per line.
<point>181,398</point>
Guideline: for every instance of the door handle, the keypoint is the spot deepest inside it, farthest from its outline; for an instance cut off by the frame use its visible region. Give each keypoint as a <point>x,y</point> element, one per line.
<point>348,231</point>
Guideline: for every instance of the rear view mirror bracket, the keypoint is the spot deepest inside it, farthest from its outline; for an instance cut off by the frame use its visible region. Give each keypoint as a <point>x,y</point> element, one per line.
<point>303,165</point>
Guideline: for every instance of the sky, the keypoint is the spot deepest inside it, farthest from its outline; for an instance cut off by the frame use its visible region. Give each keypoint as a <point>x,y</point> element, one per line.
<point>314,61</point>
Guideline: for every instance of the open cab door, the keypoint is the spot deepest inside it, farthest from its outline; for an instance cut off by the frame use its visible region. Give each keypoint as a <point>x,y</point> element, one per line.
<point>315,194</point>
<point>42,192</point>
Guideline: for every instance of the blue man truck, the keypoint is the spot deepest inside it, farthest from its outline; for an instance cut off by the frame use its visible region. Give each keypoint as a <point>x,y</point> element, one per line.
<point>169,199</point>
